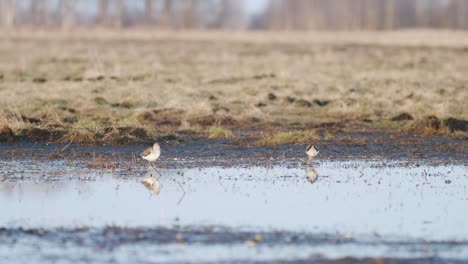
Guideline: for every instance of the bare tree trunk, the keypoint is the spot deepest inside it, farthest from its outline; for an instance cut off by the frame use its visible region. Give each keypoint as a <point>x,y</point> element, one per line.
<point>119,13</point>
<point>446,16</point>
<point>370,8</point>
<point>9,13</point>
<point>357,9</point>
<point>389,14</point>
<point>301,12</point>
<point>237,14</point>
<point>149,12</point>
<point>274,15</point>
<point>195,21</point>
<point>420,13</point>
<point>167,14</point>
<point>103,12</point>
<point>80,8</point>
<point>366,14</point>
<point>68,13</point>
<point>34,12</point>
<point>465,14</point>
<point>230,14</point>
<point>355,13</point>
<point>191,14</point>
<point>462,14</point>
<point>288,15</point>
<point>223,15</point>
<point>316,14</point>
<point>348,15</point>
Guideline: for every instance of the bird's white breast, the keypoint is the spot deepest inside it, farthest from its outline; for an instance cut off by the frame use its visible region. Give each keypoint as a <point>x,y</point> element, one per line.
<point>312,152</point>
<point>151,157</point>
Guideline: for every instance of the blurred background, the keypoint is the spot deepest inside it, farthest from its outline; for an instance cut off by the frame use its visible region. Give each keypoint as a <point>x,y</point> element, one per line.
<point>237,14</point>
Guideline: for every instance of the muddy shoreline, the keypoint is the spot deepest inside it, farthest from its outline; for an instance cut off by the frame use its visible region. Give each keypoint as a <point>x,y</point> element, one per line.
<point>203,153</point>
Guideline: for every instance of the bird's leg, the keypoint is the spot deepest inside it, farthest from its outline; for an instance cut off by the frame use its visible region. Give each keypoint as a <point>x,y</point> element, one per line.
<point>154,167</point>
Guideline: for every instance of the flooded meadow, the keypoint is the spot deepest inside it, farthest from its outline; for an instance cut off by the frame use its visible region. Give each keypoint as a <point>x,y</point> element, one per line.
<point>269,206</point>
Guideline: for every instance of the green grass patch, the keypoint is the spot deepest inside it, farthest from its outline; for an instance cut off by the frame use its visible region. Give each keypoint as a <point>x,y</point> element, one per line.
<point>100,101</point>
<point>219,132</point>
<point>290,137</point>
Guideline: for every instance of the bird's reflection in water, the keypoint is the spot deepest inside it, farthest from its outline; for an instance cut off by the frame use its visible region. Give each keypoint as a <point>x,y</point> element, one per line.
<point>312,174</point>
<point>152,184</point>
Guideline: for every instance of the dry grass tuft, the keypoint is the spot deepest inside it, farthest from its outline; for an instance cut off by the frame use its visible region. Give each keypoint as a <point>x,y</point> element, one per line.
<point>162,117</point>
<point>403,117</point>
<point>125,135</point>
<point>431,125</point>
<point>78,136</point>
<point>427,125</point>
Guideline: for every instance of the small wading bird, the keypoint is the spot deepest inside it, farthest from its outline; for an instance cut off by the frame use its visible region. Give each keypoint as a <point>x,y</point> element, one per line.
<point>152,154</point>
<point>312,152</point>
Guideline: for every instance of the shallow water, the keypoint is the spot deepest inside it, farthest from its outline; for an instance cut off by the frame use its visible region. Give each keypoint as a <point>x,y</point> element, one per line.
<point>374,208</point>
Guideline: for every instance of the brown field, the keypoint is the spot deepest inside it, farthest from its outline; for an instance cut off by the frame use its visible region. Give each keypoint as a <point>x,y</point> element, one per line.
<point>130,86</point>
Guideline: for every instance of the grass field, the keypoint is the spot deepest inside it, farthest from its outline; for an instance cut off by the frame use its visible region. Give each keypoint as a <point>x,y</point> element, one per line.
<point>123,87</point>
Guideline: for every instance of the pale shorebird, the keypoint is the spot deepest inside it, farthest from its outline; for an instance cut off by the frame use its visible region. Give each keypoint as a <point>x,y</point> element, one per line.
<point>312,152</point>
<point>152,154</point>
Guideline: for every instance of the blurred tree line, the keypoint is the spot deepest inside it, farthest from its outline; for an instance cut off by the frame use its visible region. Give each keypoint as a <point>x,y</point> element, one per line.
<point>366,14</point>
<point>231,14</point>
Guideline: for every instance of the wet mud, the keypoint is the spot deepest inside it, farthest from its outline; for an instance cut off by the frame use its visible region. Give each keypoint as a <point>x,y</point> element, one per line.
<point>412,149</point>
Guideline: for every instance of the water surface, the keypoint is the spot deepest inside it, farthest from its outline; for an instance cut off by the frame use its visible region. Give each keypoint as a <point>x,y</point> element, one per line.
<point>372,208</point>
